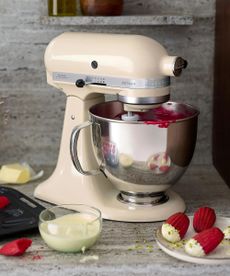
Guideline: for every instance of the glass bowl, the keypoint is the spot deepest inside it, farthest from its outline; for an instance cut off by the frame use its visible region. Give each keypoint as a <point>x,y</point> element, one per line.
<point>70,227</point>
<point>101,7</point>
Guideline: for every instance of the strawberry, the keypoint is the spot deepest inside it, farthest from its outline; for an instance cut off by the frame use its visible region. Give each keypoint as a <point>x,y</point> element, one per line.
<point>204,218</point>
<point>4,201</point>
<point>164,168</point>
<point>159,163</point>
<point>152,166</point>
<point>204,242</point>
<point>175,227</point>
<point>16,247</point>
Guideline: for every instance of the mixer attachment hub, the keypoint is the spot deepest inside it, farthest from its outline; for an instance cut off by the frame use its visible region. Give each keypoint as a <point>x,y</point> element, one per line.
<point>130,116</point>
<point>143,198</point>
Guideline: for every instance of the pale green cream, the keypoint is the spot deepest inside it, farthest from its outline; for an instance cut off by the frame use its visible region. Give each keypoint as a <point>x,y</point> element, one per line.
<point>71,233</point>
<point>170,233</point>
<point>193,248</point>
<point>227,233</point>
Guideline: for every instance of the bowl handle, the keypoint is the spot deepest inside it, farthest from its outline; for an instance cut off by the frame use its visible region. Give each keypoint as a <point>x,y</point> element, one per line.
<point>73,150</point>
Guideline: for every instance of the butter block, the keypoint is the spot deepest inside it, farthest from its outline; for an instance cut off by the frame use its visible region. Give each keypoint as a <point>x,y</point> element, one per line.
<point>15,173</point>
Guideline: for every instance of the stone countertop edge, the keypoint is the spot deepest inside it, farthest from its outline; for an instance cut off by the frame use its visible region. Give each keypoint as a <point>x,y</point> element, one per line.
<point>124,20</point>
<point>125,248</point>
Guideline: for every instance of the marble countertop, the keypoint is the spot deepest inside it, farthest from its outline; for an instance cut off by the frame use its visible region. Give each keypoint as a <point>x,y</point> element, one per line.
<point>122,249</point>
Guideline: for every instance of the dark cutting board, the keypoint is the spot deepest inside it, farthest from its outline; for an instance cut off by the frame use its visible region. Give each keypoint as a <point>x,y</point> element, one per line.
<point>21,215</point>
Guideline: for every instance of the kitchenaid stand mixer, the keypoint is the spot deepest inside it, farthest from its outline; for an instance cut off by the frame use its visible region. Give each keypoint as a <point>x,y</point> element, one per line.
<point>137,69</point>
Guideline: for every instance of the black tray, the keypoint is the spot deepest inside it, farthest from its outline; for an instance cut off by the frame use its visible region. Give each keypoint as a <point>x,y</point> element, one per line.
<point>20,215</point>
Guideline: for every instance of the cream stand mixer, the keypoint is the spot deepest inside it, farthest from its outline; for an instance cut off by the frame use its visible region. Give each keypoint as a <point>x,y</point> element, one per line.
<point>129,184</point>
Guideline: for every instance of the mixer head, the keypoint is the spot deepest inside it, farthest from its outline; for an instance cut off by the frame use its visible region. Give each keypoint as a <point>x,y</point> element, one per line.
<point>135,68</point>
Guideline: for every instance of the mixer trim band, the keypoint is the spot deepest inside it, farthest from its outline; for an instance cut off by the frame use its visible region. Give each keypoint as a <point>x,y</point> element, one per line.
<point>143,100</point>
<point>112,81</point>
<point>145,200</point>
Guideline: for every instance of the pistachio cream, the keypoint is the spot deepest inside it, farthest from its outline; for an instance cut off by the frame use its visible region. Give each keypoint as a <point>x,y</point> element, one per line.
<point>170,233</point>
<point>71,233</point>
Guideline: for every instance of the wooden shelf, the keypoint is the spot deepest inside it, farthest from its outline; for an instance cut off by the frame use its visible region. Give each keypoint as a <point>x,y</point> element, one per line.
<point>124,20</point>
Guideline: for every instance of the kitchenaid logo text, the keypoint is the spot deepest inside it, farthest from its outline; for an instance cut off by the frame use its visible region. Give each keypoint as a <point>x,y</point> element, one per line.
<point>63,77</point>
<point>128,83</point>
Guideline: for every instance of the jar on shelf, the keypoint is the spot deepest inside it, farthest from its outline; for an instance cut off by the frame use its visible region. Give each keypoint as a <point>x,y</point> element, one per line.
<point>62,7</point>
<point>101,7</point>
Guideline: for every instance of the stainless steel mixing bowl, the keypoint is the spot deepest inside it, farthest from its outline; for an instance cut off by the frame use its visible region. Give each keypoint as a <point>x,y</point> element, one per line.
<point>139,158</point>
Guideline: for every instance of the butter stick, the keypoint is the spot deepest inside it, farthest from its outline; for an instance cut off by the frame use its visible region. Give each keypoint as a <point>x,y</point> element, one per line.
<point>15,173</point>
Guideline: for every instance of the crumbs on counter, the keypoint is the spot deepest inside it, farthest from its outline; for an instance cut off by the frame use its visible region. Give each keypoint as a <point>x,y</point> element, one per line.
<point>89,258</point>
<point>177,245</point>
<point>37,257</point>
<point>141,245</point>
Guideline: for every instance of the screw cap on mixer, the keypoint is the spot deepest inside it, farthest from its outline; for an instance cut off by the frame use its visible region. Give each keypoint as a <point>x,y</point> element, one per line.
<point>80,83</point>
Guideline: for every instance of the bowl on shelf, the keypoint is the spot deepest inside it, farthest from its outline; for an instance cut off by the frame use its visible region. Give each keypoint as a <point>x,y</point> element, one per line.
<point>70,227</point>
<point>101,7</point>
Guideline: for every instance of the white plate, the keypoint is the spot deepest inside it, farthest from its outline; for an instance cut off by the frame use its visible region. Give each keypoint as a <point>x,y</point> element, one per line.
<point>221,255</point>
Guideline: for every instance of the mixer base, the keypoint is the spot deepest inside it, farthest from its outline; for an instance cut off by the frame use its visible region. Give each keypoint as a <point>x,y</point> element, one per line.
<point>108,203</point>
<point>128,212</point>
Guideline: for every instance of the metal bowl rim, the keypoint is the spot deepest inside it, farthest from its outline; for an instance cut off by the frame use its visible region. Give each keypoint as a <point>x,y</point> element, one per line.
<point>196,114</point>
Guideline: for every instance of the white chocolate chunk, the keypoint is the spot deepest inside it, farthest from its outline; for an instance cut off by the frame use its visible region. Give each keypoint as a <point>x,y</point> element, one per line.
<point>193,248</point>
<point>125,160</point>
<point>227,233</point>
<point>170,233</point>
